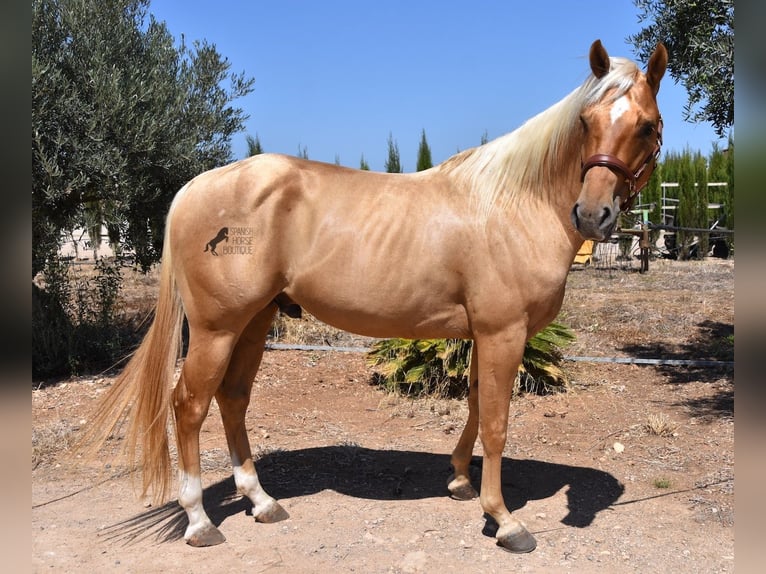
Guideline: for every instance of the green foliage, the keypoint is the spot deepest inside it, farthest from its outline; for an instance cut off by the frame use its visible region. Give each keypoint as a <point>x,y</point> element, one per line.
<point>662,483</point>
<point>51,324</point>
<point>77,324</point>
<point>692,171</point>
<point>721,169</point>
<point>686,211</point>
<point>121,119</point>
<point>363,165</point>
<point>253,145</point>
<point>422,366</point>
<point>540,369</point>
<point>440,366</point>
<point>651,196</point>
<point>701,213</point>
<point>699,36</point>
<point>393,164</point>
<point>424,154</point>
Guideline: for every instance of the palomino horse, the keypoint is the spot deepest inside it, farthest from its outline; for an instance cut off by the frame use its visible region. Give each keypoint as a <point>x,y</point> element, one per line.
<point>477,247</point>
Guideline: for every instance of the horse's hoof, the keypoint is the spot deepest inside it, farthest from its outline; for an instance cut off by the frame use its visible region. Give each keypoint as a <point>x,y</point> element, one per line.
<point>462,490</point>
<point>518,540</point>
<point>273,513</point>
<point>207,536</point>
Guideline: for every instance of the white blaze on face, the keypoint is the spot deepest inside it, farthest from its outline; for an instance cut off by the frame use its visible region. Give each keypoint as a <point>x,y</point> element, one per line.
<point>618,108</point>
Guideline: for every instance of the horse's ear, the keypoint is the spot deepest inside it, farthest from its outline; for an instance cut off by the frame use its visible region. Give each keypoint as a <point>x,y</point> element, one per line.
<point>599,60</point>
<point>656,68</point>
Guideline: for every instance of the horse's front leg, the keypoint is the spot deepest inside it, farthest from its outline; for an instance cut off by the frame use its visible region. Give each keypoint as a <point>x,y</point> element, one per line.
<point>498,364</point>
<point>460,486</point>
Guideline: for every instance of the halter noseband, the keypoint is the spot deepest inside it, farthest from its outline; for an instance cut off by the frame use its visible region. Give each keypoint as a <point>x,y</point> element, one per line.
<point>636,180</point>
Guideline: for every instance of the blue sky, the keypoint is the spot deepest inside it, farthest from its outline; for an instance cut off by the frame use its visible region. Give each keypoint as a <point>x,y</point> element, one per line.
<point>337,76</point>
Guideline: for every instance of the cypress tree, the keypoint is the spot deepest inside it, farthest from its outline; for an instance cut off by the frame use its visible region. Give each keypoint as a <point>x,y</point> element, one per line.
<point>652,196</point>
<point>424,154</point>
<point>393,165</point>
<point>703,213</point>
<point>254,145</point>
<point>686,210</point>
<point>720,170</point>
<point>669,174</point>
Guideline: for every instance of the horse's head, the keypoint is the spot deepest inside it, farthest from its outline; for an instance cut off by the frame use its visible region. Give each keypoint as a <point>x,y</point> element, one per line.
<point>622,138</point>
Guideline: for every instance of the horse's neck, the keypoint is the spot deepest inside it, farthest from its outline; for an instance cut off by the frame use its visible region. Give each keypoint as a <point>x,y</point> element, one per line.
<point>545,219</point>
<point>562,197</point>
<point>546,222</point>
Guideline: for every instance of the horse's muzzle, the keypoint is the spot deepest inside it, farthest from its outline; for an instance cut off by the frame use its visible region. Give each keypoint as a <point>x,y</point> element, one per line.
<point>595,222</point>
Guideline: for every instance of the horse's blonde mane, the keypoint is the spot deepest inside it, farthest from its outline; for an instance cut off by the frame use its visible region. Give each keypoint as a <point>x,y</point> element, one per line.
<point>528,161</point>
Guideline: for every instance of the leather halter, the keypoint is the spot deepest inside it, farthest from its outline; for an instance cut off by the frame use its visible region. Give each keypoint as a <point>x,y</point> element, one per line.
<point>636,180</point>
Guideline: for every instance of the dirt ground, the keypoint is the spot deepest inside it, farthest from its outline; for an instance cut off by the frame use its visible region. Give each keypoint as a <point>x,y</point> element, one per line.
<point>631,470</point>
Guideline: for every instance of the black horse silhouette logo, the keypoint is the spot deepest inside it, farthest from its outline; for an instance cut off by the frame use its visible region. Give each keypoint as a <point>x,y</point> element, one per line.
<point>223,234</point>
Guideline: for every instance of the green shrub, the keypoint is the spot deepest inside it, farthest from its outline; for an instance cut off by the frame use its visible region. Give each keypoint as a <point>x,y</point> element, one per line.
<point>422,366</point>
<point>662,483</point>
<point>540,370</point>
<point>76,322</point>
<point>51,324</point>
<point>439,367</point>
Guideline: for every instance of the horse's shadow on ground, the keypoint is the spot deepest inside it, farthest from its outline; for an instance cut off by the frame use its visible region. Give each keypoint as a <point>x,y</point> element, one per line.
<point>379,475</point>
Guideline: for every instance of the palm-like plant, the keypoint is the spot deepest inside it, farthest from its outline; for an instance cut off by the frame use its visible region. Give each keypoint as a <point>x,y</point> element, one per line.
<point>540,370</point>
<point>440,366</point>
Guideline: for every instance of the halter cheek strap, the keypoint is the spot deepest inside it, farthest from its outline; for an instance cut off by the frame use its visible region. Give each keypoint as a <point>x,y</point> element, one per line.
<point>636,180</point>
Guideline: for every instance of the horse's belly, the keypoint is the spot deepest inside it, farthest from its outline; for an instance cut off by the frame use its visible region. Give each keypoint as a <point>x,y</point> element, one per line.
<point>384,319</point>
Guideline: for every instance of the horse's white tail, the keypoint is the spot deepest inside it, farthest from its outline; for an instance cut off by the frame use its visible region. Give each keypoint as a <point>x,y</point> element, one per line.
<point>141,393</point>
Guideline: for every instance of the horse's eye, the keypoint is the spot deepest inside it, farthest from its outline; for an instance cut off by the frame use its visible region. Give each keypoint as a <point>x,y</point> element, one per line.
<point>647,130</point>
<point>584,123</point>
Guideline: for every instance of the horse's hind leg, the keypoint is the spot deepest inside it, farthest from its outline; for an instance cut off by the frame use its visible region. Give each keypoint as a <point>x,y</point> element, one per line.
<point>201,375</point>
<point>233,398</point>
<point>460,486</point>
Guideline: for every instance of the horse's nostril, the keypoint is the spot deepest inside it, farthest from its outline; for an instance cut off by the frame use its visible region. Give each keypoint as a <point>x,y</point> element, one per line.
<point>574,217</point>
<point>607,214</point>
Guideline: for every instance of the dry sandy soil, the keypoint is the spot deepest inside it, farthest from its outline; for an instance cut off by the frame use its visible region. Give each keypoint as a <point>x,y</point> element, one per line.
<point>632,470</point>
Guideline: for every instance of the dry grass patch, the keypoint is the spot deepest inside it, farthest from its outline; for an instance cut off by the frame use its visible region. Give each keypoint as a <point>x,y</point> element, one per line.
<point>50,441</point>
<point>659,424</point>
